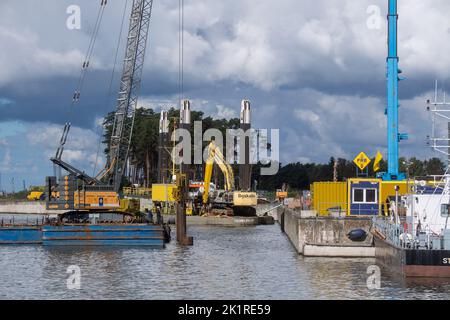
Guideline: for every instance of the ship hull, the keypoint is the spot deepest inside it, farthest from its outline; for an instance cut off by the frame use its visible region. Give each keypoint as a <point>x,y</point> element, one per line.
<point>412,263</point>
<point>21,235</point>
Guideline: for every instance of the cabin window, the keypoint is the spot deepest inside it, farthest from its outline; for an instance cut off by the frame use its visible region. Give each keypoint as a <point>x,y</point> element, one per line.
<point>371,195</point>
<point>445,212</point>
<point>366,196</point>
<point>358,195</point>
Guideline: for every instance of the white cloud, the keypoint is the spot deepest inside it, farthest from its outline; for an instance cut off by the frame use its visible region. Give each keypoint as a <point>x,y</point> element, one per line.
<point>81,146</point>
<point>307,115</point>
<point>72,156</point>
<point>28,60</point>
<point>225,113</point>
<point>314,35</point>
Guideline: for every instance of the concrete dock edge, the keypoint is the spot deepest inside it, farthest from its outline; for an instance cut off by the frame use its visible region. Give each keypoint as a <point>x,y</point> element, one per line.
<point>314,236</point>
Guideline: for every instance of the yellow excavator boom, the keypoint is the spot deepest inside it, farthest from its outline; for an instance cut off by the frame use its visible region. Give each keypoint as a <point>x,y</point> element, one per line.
<point>216,156</point>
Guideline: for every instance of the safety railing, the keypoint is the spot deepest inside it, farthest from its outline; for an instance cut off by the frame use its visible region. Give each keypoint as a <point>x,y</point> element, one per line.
<point>331,208</point>
<point>132,191</point>
<point>394,233</point>
<point>342,209</point>
<point>19,221</point>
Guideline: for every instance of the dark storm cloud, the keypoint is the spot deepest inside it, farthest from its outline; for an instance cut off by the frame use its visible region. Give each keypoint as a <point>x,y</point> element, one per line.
<point>313,69</point>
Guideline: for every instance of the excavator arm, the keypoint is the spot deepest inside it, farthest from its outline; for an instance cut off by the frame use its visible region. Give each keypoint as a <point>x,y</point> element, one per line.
<point>216,156</point>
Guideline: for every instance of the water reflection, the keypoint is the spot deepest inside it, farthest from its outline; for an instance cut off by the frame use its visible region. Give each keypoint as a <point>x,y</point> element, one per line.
<point>224,263</point>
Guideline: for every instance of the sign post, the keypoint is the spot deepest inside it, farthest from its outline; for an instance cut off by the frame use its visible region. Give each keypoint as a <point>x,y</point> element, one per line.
<point>362,162</point>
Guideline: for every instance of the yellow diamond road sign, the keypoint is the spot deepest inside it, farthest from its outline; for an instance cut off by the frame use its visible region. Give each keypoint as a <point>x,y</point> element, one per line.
<point>362,161</point>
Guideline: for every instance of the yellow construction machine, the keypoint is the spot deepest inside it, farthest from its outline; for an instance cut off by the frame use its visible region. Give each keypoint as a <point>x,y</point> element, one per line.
<point>282,193</point>
<point>228,201</point>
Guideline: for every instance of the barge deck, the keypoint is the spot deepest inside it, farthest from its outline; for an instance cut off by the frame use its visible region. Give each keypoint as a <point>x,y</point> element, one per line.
<point>86,235</point>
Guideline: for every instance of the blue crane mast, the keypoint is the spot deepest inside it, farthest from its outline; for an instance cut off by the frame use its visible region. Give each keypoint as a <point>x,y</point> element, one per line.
<point>393,135</point>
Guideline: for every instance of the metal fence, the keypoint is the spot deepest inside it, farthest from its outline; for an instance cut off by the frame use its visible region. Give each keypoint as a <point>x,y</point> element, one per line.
<point>392,232</point>
<point>17,221</point>
<point>132,191</point>
<point>342,209</point>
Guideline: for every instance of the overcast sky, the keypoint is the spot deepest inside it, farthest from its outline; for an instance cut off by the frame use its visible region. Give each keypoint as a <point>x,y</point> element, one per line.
<point>313,69</point>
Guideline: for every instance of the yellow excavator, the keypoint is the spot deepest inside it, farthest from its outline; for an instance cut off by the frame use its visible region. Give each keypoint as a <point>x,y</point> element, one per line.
<point>228,201</point>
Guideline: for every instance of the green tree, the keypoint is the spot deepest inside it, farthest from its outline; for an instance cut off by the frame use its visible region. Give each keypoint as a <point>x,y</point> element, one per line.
<point>416,168</point>
<point>144,143</point>
<point>434,166</point>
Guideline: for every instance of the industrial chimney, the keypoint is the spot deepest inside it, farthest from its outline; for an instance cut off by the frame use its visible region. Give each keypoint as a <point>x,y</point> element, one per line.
<point>245,169</point>
<point>163,148</point>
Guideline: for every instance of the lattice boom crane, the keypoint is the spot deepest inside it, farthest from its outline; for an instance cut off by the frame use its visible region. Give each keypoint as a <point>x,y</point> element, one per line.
<point>101,192</point>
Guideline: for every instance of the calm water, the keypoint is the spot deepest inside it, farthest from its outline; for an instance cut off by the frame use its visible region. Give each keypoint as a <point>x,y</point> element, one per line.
<point>224,263</point>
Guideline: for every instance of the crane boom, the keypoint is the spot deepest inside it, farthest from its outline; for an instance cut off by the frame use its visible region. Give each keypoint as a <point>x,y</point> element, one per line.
<point>130,85</point>
<point>102,192</point>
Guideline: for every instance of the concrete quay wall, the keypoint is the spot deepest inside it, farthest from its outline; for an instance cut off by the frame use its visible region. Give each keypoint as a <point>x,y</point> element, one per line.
<point>324,236</point>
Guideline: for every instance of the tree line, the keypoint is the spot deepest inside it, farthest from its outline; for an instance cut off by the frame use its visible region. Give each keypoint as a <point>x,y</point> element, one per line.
<point>301,175</point>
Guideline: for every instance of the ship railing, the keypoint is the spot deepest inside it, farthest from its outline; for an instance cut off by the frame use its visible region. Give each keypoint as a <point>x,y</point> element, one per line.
<point>394,233</point>
<point>17,221</point>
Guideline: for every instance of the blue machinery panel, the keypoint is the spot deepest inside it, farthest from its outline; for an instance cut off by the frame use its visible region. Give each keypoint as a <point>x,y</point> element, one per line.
<point>85,235</point>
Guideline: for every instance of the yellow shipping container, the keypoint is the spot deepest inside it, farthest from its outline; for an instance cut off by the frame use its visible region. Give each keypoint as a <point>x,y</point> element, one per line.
<point>327,195</point>
<point>334,195</point>
<point>163,192</point>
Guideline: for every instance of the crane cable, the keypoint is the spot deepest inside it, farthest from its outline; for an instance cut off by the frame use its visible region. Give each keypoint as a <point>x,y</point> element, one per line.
<point>76,94</point>
<point>110,83</point>
<point>86,62</point>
